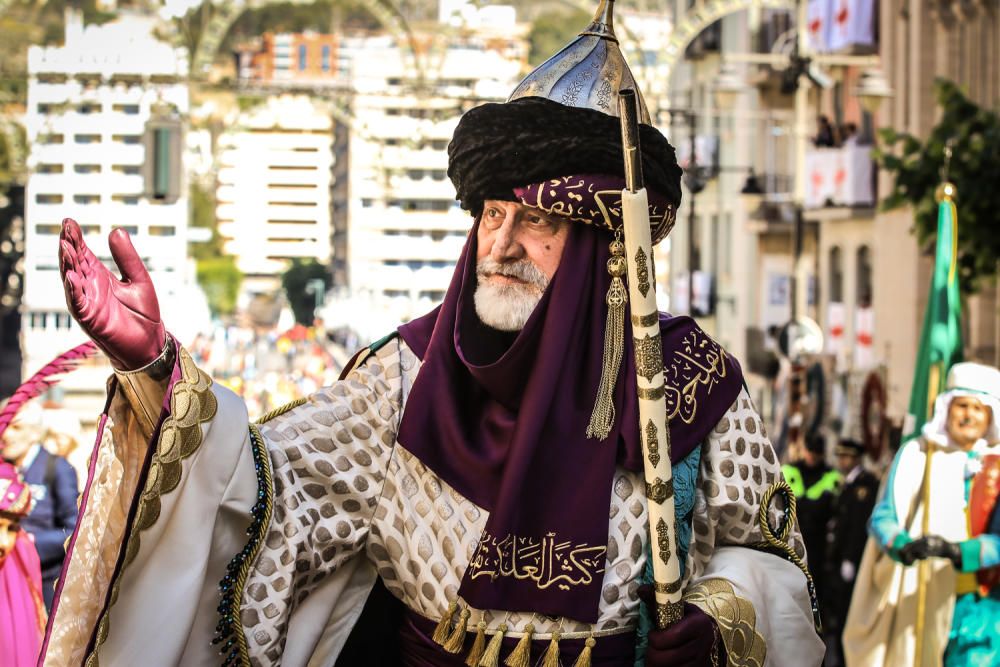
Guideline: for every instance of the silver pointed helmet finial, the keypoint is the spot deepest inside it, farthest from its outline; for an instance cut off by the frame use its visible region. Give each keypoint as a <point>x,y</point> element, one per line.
<point>588,72</point>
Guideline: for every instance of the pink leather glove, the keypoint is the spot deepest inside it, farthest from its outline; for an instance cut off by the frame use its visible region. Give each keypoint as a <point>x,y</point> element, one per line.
<point>121,316</point>
<point>692,642</point>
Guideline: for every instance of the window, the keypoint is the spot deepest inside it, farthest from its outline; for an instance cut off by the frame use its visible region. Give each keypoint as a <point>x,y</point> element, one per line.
<point>396,293</point>
<point>433,295</point>
<point>132,231</point>
<point>50,138</point>
<point>325,58</point>
<point>864,273</point>
<point>47,229</point>
<point>291,203</point>
<point>292,186</point>
<point>128,200</point>
<point>131,169</point>
<point>302,57</point>
<point>48,199</point>
<point>87,108</point>
<point>836,275</point>
<point>87,138</point>
<point>87,168</point>
<point>162,230</point>
<point>366,202</point>
<point>291,167</point>
<point>46,108</point>
<point>86,199</point>
<point>49,169</point>
<point>130,109</point>
<point>130,139</point>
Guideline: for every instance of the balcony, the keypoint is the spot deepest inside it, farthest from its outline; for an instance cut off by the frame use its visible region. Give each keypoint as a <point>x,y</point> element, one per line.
<point>840,177</point>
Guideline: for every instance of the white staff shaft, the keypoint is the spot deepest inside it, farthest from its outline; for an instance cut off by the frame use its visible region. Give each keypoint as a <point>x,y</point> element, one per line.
<point>650,381</point>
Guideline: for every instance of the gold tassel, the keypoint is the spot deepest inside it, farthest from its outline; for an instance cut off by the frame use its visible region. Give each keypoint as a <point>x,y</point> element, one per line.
<point>521,655</point>
<point>491,658</point>
<point>440,635</point>
<point>457,639</point>
<point>551,657</point>
<point>603,416</point>
<point>478,646</point>
<point>588,647</point>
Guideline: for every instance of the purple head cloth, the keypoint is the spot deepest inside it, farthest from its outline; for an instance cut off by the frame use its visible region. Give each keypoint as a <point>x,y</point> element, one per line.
<point>503,420</point>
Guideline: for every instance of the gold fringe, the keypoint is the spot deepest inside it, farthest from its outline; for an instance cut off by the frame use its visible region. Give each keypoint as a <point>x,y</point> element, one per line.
<point>588,647</point>
<point>478,646</point>
<point>491,658</point>
<point>551,657</point>
<point>457,639</point>
<point>521,655</point>
<point>443,628</point>
<point>603,416</point>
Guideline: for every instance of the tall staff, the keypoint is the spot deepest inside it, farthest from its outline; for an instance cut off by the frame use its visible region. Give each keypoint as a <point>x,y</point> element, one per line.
<point>650,378</point>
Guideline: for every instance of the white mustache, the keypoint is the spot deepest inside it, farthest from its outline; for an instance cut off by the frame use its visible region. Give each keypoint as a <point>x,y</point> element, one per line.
<point>522,269</point>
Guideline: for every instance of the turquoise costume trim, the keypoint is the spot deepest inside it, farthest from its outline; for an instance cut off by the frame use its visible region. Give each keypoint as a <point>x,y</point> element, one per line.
<point>685,484</point>
<point>975,631</point>
<point>884,525</point>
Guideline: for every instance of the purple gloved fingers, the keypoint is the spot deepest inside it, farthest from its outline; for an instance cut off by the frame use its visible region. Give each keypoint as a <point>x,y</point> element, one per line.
<point>121,316</point>
<point>691,641</point>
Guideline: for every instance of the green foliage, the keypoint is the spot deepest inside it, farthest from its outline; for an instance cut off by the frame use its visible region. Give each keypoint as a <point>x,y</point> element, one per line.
<point>552,30</point>
<point>220,280</point>
<point>918,169</point>
<point>296,280</point>
<point>217,273</point>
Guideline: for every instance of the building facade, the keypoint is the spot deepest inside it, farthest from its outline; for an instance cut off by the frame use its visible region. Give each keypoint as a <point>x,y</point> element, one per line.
<point>274,185</point>
<point>105,133</point>
<point>404,226</point>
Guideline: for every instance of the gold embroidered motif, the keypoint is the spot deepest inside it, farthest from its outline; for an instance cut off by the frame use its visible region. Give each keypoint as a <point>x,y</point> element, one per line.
<point>641,272</point>
<point>648,356</point>
<point>699,362</point>
<point>663,540</point>
<point>645,320</point>
<point>658,490</point>
<point>670,588</point>
<point>668,614</point>
<point>652,443</point>
<point>191,404</point>
<point>651,394</point>
<point>546,561</point>
<point>736,618</point>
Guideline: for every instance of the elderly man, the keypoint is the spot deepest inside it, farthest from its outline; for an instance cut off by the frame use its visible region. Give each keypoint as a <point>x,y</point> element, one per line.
<point>962,621</point>
<point>470,461</point>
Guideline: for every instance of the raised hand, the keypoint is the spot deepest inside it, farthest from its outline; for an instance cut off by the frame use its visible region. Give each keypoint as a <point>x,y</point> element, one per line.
<point>121,316</point>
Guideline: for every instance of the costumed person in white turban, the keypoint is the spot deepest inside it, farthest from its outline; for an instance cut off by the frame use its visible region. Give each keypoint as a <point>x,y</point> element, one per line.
<point>962,543</point>
<point>460,469</point>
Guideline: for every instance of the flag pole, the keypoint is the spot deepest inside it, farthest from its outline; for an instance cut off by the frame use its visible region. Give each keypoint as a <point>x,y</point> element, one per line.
<point>650,378</point>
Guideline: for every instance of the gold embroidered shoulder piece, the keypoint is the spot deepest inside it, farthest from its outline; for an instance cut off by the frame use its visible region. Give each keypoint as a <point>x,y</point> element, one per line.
<point>736,618</point>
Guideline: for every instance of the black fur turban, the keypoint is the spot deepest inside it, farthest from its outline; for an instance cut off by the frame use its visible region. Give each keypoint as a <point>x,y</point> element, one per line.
<point>498,147</point>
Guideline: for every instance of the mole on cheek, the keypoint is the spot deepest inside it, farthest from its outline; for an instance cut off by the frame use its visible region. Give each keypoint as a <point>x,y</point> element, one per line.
<point>548,247</point>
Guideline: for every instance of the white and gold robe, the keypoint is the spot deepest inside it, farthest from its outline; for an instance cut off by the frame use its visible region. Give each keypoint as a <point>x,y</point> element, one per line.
<point>337,502</point>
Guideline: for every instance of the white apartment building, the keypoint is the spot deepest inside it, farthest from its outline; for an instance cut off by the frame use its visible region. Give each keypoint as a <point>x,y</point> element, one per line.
<point>104,128</point>
<point>274,188</point>
<point>405,229</point>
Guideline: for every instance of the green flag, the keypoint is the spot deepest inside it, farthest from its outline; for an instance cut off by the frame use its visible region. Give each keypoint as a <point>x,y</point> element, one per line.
<point>941,337</point>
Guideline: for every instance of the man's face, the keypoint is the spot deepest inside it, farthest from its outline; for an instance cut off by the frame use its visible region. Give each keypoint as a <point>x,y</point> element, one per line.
<point>846,463</point>
<point>519,249</point>
<point>17,440</point>
<point>968,420</point>
<point>8,536</point>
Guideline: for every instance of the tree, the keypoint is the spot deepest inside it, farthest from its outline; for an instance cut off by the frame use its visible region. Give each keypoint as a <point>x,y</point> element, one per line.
<point>553,30</point>
<point>298,282</point>
<point>918,169</point>
<point>217,273</point>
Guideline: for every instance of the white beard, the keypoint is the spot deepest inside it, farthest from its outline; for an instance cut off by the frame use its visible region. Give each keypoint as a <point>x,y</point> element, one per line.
<point>507,307</point>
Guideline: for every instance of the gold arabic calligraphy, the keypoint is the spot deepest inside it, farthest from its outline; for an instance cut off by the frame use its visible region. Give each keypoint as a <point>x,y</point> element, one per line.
<point>699,362</point>
<point>608,202</point>
<point>546,561</point>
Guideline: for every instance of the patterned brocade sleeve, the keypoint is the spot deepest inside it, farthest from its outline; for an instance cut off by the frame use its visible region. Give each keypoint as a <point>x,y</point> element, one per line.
<point>329,457</point>
<point>760,600</point>
<point>738,465</point>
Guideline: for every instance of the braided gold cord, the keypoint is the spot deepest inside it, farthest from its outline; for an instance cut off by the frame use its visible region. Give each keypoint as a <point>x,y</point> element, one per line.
<point>277,412</point>
<point>779,541</point>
